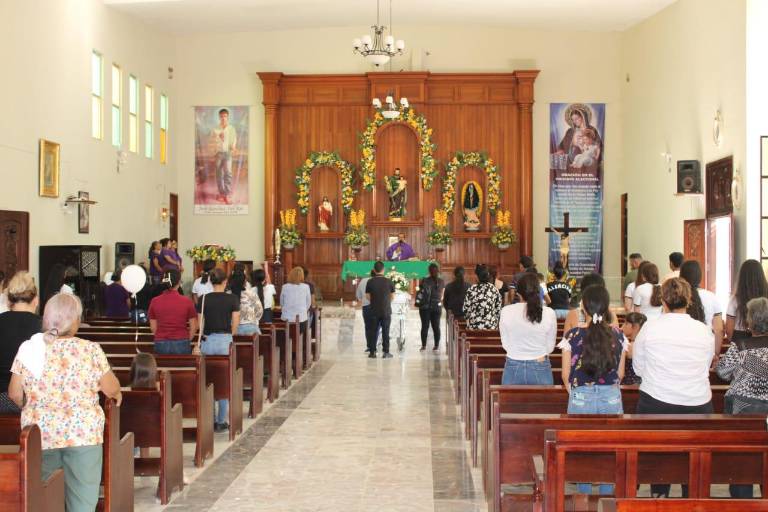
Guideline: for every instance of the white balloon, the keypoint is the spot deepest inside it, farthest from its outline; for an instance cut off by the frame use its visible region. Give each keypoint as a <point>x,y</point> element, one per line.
<point>133,278</point>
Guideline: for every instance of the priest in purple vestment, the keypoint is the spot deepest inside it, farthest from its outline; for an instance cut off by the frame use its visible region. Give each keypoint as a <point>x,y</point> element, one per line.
<point>400,250</point>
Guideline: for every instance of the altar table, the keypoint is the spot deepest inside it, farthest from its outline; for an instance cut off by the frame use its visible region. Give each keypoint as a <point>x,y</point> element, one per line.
<point>415,269</point>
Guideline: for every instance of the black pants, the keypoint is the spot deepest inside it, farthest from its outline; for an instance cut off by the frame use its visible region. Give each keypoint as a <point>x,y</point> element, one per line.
<point>372,330</point>
<point>430,317</point>
<point>646,404</point>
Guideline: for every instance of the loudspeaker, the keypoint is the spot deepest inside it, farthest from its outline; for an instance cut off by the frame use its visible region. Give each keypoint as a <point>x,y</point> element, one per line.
<point>124,254</point>
<point>688,177</point>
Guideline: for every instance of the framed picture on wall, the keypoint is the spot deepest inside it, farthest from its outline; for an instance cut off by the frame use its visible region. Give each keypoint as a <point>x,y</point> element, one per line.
<point>49,167</point>
<point>83,214</point>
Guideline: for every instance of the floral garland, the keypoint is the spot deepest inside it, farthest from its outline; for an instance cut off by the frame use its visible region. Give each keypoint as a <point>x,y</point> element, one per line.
<point>474,159</point>
<point>321,159</point>
<point>428,170</point>
<point>213,252</point>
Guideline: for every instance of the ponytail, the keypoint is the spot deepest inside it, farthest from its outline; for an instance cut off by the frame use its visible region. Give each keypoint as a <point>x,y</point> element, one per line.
<point>257,278</point>
<point>690,271</point>
<point>530,290</point>
<point>598,357</point>
<point>696,307</point>
<point>656,296</point>
<point>208,266</point>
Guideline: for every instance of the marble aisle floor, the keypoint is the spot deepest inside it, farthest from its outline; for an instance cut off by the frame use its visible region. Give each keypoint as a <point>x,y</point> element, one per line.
<point>354,434</point>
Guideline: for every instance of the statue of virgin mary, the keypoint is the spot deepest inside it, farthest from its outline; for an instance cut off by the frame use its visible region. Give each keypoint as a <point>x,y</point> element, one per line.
<point>471,202</point>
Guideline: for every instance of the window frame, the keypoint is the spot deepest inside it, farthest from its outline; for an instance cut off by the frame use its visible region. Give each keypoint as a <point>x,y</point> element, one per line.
<point>97,98</point>
<point>149,119</point>
<point>164,119</point>
<point>133,113</point>
<point>116,109</point>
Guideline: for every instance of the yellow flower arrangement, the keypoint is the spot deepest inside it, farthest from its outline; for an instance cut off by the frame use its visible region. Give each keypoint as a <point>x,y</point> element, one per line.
<point>325,158</point>
<point>503,234</point>
<point>474,159</point>
<point>428,171</point>
<point>289,233</point>
<point>356,235</point>
<point>439,235</point>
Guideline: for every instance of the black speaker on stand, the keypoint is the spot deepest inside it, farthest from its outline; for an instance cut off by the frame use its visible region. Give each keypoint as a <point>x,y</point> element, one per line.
<point>125,254</point>
<point>689,177</point>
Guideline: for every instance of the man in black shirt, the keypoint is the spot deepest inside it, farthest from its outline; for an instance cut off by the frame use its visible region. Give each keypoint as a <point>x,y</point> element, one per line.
<point>379,291</point>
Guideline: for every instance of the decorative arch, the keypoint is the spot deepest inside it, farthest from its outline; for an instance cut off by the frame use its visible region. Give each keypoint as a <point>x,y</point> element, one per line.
<point>325,159</point>
<point>475,159</point>
<point>417,122</point>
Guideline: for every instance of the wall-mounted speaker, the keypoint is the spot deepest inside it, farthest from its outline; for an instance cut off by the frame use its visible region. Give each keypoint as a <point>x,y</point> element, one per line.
<point>124,254</point>
<point>689,177</point>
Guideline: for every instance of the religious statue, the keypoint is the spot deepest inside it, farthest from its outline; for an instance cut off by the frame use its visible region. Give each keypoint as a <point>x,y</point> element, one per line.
<point>564,232</point>
<point>324,214</point>
<point>400,250</point>
<point>471,200</point>
<point>398,195</point>
<point>565,247</point>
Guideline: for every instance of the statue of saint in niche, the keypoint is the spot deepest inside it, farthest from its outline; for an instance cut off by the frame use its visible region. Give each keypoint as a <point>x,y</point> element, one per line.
<point>472,205</point>
<point>324,214</point>
<point>397,188</point>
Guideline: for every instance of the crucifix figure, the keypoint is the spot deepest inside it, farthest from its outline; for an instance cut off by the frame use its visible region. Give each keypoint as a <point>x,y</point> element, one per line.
<point>565,237</point>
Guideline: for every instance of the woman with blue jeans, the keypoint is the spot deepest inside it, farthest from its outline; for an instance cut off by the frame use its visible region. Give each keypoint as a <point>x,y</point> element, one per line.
<point>221,316</point>
<point>528,330</point>
<point>172,317</point>
<point>593,364</point>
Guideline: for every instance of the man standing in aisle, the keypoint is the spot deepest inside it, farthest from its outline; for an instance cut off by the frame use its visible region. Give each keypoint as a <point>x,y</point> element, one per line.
<point>635,259</point>
<point>380,292</point>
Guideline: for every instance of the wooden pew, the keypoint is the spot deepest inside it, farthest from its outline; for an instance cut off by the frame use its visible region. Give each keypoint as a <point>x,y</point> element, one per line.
<point>21,486</point>
<point>227,380</point>
<point>117,460</point>
<point>518,439</point>
<point>251,363</point>
<point>544,400</point>
<point>155,423</point>
<point>699,458</point>
<point>316,335</point>
<point>285,345</point>
<point>189,387</point>
<point>680,505</point>
<point>269,350</point>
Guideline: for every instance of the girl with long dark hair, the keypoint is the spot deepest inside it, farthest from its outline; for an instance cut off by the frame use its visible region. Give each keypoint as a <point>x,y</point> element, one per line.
<point>750,284</point>
<point>266,293</point>
<point>455,291</point>
<point>704,305</point>
<point>629,291</point>
<point>647,296</point>
<point>56,282</point>
<point>528,330</point>
<point>251,308</point>
<point>430,310</point>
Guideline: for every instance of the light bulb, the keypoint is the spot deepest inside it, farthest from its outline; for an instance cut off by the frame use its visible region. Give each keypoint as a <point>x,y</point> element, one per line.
<point>366,40</point>
<point>389,41</point>
<point>356,43</point>
<point>400,45</point>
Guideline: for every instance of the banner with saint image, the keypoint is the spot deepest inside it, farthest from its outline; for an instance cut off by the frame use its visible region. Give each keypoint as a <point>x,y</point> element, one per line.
<point>577,146</point>
<point>221,160</point>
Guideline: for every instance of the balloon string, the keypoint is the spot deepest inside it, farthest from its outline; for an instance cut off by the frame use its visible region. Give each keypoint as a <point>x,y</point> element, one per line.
<point>136,334</point>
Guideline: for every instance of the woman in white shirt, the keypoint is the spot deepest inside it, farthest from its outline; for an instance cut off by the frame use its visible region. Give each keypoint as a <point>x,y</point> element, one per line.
<point>265,291</point>
<point>647,297</point>
<point>629,291</point>
<point>750,284</point>
<point>528,330</point>
<point>202,285</point>
<point>296,299</point>
<point>704,305</point>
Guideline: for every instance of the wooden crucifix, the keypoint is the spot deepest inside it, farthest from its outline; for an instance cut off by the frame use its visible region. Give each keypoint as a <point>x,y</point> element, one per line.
<point>565,237</point>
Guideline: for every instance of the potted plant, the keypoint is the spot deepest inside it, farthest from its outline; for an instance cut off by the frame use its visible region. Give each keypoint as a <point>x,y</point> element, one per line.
<point>289,233</point>
<point>503,234</point>
<point>439,237</point>
<point>357,235</point>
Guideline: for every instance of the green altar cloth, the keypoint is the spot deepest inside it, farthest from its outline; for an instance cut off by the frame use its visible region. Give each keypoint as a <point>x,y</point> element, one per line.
<point>411,269</point>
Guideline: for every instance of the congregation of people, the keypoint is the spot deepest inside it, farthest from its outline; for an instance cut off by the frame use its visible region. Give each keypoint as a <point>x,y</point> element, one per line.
<point>52,377</point>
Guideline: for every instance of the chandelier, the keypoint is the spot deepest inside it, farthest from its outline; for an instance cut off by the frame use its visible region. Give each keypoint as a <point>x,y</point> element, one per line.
<point>380,48</point>
<point>389,109</point>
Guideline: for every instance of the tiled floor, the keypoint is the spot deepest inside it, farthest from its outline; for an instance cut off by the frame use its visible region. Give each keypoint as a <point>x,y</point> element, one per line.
<point>354,434</point>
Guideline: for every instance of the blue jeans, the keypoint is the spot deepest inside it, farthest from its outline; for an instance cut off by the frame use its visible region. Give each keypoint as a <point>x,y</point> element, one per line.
<point>531,372</point>
<point>248,329</point>
<point>595,399</point>
<point>218,345</point>
<point>561,313</point>
<point>173,347</point>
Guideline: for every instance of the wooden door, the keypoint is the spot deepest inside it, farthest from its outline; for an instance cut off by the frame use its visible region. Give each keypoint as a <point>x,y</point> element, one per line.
<point>624,233</point>
<point>695,236</point>
<point>173,215</point>
<point>14,236</point>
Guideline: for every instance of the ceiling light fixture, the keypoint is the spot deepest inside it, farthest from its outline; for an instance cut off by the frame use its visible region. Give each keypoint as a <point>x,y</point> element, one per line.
<point>380,48</point>
<point>390,109</point>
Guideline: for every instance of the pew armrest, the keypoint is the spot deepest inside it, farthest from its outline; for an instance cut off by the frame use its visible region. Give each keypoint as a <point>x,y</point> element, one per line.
<point>54,492</point>
<point>537,475</point>
<point>122,496</point>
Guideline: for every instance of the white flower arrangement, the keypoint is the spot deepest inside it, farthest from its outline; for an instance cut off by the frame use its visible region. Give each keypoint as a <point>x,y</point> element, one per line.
<point>401,282</point>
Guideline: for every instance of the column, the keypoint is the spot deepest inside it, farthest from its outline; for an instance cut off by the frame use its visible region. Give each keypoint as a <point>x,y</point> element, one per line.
<point>271,100</point>
<point>525,80</point>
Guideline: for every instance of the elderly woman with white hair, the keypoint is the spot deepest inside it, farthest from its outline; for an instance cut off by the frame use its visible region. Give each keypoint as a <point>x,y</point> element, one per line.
<point>56,379</point>
<point>745,364</point>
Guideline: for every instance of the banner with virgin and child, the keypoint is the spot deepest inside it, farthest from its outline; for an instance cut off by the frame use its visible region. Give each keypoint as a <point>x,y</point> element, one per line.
<point>577,137</point>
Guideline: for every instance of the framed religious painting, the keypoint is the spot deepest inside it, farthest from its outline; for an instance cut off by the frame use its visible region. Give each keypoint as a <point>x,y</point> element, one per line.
<point>49,167</point>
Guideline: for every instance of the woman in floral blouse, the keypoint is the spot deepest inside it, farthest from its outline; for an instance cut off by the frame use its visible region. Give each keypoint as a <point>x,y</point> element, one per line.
<point>56,381</point>
<point>251,308</point>
<point>482,304</point>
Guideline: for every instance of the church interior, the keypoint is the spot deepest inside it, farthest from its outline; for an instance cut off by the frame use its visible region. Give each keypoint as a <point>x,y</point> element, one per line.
<point>232,146</point>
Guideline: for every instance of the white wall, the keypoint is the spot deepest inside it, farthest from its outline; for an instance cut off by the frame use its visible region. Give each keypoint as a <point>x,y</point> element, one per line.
<point>221,69</point>
<point>45,48</point>
<point>684,64</point>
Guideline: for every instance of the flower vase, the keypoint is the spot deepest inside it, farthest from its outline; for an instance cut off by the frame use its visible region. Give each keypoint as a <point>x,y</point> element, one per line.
<point>288,247</point>
<point>503,247</point>
<point>439,247</point>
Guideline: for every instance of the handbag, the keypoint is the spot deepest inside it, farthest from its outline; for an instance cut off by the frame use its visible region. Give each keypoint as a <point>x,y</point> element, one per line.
<point>423,296</point>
